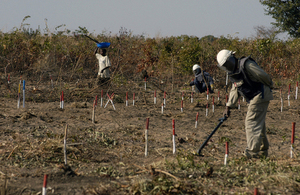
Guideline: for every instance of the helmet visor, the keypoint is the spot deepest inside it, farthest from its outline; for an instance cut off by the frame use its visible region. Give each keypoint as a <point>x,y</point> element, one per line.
<point>229,65</point>
<point>197,71</point>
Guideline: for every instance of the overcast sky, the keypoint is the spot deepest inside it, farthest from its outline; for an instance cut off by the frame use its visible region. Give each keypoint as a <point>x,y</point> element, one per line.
<point>152,18</point>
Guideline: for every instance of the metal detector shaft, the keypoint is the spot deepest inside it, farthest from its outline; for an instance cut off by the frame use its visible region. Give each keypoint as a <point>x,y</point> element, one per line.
<point>92,39</point>
<point>211,134</point>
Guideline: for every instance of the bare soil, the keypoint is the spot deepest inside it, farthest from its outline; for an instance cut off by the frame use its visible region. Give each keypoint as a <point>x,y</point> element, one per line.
<point>108,156</point>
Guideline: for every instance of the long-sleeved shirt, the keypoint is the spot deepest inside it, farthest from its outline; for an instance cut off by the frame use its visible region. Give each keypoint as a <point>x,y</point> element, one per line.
<point>257,74</point>
<point>103,62</point>
<point>200,83</point>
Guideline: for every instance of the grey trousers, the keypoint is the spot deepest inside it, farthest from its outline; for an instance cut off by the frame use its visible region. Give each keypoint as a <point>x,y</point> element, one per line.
<point>257,142</point>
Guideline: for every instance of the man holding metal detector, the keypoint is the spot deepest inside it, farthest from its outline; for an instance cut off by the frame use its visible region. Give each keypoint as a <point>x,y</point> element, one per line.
<point>202,80</point>
<point>253,83</point>
<point>104,62</point>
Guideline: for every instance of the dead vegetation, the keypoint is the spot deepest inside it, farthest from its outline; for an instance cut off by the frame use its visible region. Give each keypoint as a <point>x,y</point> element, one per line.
<point>108,157</point>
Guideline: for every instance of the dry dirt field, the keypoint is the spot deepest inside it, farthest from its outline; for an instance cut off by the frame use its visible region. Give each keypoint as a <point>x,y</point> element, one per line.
<point>108,156</point>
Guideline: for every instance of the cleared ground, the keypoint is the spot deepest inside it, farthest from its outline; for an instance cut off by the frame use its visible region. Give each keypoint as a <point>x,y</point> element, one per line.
<point>108,156</point>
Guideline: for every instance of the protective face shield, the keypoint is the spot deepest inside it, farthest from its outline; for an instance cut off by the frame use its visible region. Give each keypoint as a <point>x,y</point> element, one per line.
<point>226,60</point>
<point>196,69</point>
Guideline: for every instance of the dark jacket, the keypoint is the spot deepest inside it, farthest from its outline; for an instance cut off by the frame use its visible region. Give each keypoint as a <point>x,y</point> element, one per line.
<point>200,83</point>
<point>248,88</point>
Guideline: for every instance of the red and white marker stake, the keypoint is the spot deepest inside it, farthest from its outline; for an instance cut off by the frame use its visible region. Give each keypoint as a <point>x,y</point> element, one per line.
<point>226,82</point>
<point>51,81</point>
<point>94,108</point>
<point>110,100</point>
<point>193,87</point>
<point>8,79</point>
<point>181,105</point>
<point>44,189</point>
<point>192,97</point>
<point>96,100</point>
<point>173,137</point>
<point>101,100</point>
<point>255,191</point>
<point>65,144</point>
<point>289,94</point>
<point>239,104</point>
<point>207,96</point>
<point>218,95</point>
<point>133,100</point>
<point>62,100</point>
<point>164,99</point>
<point>155,97</point>
<point>93,113</point>
<point>281,101</point>
<point>226,153</point>
<point>146,137</point>
<point>182,96</point>
<point>206,113</point>
<point>23,93</point>
<point>162,108</point>
<point>19,95</point>
<point>293,139</point>
<point>213,104</point>
<point>296,95</point>
<point>126,98</point>
<point>145,83</point>
<point>196,123</point>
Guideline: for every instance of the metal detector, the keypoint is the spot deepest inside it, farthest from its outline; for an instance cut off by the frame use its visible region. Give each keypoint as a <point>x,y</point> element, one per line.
<point>92,39</point>
<point>211,134</point>
<point>101,45</point>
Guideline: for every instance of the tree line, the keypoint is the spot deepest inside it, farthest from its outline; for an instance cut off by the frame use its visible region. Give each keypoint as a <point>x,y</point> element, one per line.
<point>30,52</point>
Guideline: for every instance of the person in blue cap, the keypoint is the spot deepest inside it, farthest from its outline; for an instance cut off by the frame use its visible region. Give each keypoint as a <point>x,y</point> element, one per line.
<point>104,64</point>
<point>202,80</point>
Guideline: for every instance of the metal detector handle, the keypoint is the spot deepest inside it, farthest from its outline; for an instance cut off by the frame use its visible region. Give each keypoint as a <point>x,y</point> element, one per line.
<point>211,134</point>
<point>92,39</point>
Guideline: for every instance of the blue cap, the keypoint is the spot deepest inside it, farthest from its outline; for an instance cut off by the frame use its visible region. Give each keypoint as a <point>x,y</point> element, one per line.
<point>103,45</point>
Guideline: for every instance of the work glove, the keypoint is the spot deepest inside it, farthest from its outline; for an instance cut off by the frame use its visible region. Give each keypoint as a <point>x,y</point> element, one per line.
<point>226,112</point>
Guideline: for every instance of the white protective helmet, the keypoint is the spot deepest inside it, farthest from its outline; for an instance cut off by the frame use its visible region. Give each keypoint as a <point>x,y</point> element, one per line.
<point>196,69</point>
<point>226,60</point>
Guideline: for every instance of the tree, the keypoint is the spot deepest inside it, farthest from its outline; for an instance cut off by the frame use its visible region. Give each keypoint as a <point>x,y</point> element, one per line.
<point>263,32</point>
<point>286,13</point>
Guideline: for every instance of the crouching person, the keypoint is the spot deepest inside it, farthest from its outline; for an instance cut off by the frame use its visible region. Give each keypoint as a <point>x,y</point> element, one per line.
<point>202,79</point>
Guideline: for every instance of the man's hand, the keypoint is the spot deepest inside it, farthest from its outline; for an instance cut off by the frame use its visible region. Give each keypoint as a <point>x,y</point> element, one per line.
<point>226,112</point>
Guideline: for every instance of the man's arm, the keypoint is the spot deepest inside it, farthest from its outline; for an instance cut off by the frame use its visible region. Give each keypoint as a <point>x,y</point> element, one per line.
<point>257,74</point>
<point>233,96</point>
<point>96,50</point>
<point>192,83</point>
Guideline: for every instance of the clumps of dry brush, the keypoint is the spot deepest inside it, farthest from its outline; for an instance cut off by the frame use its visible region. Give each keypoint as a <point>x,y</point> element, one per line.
<point>68,56</point>
<point>187,174</point>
